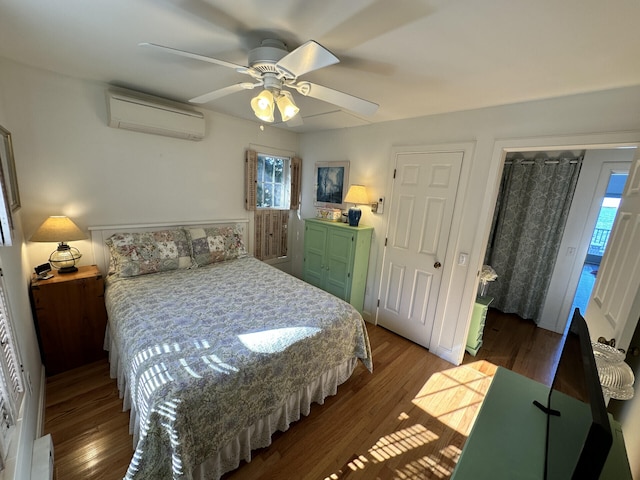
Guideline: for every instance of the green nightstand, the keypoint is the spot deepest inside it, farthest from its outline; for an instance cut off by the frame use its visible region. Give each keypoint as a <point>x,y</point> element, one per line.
<point>474,337</point>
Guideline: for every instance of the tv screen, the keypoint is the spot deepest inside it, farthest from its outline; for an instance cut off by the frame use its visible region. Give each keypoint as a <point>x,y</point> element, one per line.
<point>578,432</point>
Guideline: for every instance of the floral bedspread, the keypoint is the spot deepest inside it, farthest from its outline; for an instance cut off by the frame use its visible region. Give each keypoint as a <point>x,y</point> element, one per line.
<point>210,350</point>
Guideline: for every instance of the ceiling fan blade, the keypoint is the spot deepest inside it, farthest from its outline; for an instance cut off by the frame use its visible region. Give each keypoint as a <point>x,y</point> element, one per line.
<point>222,92</point>
<point>307,57</point>
<point>373,21</point>
<point>343,100</point>
<point>295,121</point>
<point>195,56</point>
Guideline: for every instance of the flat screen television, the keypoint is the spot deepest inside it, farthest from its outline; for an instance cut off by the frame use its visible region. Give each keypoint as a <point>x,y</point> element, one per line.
<point>578,436</point>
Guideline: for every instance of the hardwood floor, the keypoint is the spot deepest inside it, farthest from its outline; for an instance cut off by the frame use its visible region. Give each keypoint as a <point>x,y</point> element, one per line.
<point>409,419</point>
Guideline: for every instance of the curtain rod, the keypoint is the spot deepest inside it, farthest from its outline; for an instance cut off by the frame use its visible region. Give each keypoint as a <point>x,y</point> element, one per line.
<point>546,162</point>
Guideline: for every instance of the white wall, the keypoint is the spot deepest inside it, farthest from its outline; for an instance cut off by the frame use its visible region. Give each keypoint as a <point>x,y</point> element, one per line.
<point>70,162</point>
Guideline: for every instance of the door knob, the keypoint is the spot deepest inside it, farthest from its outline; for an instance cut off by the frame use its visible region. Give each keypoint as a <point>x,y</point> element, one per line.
<point>437,265</point>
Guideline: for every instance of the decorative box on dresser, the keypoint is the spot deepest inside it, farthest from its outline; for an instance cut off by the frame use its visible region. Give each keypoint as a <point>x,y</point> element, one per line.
<point>70,318</point>
<point>336,258</point>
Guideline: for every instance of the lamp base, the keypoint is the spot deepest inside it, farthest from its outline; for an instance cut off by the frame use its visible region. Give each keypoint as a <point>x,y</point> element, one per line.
<point>64,270</point>
<point>354,216</point>
<point>64,258</point>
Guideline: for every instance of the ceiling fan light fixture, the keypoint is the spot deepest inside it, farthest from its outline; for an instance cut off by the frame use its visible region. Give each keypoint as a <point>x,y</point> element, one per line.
<point>263,106</point>
<point>287,107</point>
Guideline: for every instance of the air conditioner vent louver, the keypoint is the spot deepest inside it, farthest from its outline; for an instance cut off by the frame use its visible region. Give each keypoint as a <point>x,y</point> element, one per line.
<point>147,114</point>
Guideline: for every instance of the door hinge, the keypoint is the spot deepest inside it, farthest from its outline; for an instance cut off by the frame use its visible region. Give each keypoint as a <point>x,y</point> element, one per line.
<point>352,238</point>
<point>378,304</point>
<point>349,275</point>
<point>394,173</point>
<point>385,242</point>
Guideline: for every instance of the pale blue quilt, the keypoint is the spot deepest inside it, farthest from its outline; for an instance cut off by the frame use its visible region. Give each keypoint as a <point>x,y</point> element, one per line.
<point>206,352</point>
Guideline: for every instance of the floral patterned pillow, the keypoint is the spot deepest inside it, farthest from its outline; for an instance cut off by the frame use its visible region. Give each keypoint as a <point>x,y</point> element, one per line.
<point>216,244</point>
<point>135,254</point>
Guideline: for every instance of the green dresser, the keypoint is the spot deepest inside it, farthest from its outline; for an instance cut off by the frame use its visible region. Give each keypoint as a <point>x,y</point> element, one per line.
<point>336,258</point>
<point>476,329</point>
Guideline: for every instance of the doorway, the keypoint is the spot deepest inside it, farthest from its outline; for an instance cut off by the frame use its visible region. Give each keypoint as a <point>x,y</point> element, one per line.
<point>599,239</point>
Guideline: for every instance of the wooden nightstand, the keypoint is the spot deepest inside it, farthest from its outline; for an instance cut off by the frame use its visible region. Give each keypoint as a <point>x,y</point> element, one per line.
<point>70,318</point>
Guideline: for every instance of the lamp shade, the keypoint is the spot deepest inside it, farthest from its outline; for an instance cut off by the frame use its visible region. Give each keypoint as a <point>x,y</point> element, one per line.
<point>286,105</point>
<point>58,229</point>
<point>357,194</point>
<point>263,105</point>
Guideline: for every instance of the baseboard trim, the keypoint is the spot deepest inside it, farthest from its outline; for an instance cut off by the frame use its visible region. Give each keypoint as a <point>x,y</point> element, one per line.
<point>42,406</point>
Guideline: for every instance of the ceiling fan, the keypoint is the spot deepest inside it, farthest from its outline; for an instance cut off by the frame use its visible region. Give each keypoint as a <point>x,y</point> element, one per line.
<point>277,70</point>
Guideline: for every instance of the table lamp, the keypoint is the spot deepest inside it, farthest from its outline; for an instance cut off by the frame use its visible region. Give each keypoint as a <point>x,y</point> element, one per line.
<point>60,229</point>
<point>357,195</point>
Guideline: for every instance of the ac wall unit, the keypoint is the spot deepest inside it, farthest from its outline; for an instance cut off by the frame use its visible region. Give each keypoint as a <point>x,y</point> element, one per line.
<point>144,113</point>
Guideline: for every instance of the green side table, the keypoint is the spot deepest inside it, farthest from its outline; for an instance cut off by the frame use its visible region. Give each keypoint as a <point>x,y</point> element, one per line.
<point>476,329</point>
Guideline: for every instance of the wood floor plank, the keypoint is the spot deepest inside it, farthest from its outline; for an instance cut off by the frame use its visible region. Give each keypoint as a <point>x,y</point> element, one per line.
<point>409,419</point>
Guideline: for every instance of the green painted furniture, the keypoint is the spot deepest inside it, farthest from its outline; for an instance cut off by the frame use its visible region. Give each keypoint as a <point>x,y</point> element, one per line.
<point>336,258</point>
<point>476,329</point>
<point>507,441</point>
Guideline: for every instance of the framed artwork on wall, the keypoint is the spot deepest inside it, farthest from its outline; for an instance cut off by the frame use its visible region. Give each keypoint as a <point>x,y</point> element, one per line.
<point>331,183</point>
<point>12,194</point>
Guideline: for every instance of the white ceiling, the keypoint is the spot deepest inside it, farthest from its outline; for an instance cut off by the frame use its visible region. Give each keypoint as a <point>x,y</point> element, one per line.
<point>412,57</point>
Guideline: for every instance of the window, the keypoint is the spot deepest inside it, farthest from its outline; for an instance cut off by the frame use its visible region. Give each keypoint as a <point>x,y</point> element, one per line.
<point>273,185</point>
<point>11,384</point>
<point>272,189</point>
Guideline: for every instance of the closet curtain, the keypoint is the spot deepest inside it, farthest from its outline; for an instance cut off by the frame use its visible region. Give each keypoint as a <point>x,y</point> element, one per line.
<point>533,205</point>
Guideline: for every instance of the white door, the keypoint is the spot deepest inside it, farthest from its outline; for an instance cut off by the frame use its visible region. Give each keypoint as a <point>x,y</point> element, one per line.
<point>422,202</point>
<point>614,306</point>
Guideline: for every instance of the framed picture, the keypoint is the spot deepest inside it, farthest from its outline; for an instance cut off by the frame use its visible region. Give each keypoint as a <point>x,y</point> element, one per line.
<point>332,182</point>
<point>12,194</point>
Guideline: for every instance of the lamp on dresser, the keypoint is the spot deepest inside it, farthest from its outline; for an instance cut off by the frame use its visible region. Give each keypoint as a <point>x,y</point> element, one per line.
<point>357,195</point>
<point>61,229</point>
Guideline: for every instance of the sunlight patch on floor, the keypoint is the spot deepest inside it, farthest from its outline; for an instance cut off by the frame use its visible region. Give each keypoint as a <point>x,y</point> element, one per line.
<point>453,395</point>
<point>401,441</point>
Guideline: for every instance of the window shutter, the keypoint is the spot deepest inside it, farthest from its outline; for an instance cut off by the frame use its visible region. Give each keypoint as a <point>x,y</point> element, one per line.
<point>258,247</point>
<point>284,233</point>
<point>296,182</point>
<point>250,173</point>
<point>271,239</point>
<point>11,386</point>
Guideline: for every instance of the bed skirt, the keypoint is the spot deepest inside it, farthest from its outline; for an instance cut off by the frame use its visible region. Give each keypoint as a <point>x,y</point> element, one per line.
<point>255,436</point>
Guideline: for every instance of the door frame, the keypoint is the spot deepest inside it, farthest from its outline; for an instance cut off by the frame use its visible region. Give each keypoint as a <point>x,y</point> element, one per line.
<point>569,142</point>
<point>445,342</point>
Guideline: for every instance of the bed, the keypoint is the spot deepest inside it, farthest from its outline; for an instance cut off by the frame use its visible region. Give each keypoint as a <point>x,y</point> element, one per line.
<point>214,350</point>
